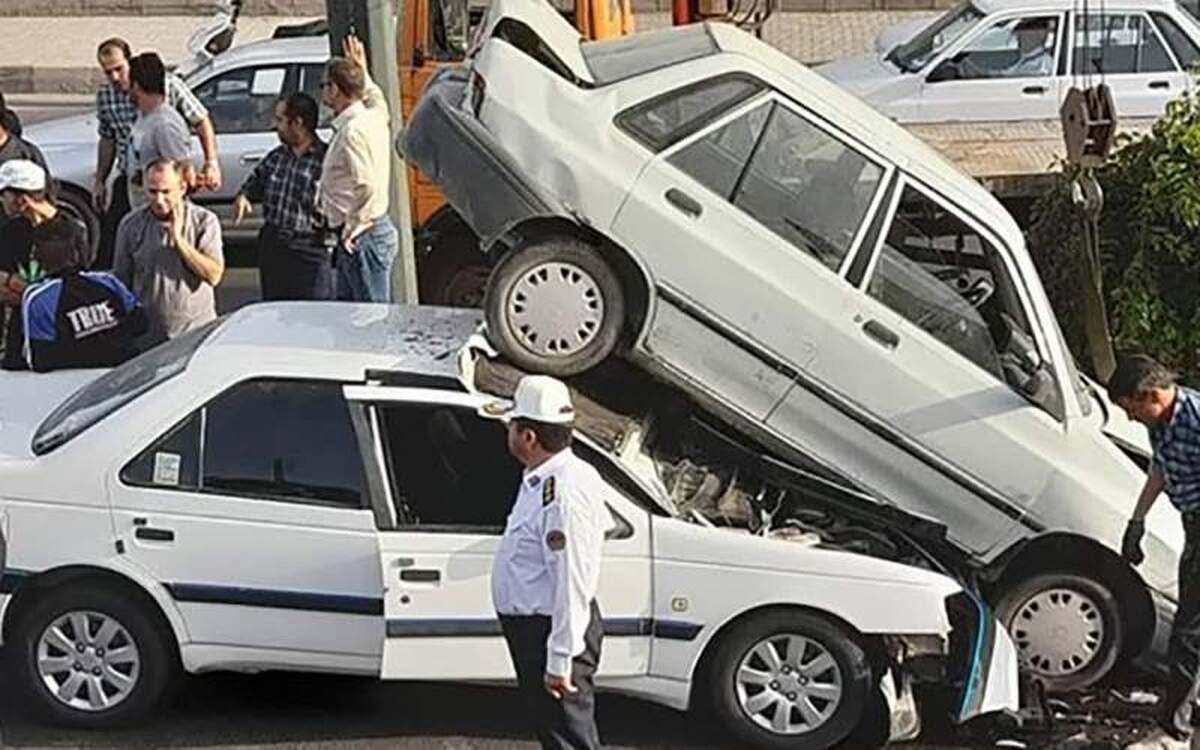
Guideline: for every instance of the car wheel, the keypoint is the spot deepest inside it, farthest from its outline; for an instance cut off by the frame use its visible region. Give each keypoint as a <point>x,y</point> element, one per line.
<point>554,306</point>
<point>78,205</point>
<point>88,656</point>
<point>790,680</point>
<point>1067,628</point>
<point>452,270</point>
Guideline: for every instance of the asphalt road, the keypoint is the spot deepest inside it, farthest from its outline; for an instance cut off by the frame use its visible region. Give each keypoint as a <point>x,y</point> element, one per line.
<point>311,711</point>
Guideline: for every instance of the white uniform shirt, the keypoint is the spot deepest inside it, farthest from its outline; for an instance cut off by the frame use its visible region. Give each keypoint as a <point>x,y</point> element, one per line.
<point>548,562</point>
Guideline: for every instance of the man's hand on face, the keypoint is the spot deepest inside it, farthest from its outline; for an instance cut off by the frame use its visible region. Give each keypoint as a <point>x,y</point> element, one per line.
<point>176,223</point>
<point>559,686</point>
<point>355,51</point>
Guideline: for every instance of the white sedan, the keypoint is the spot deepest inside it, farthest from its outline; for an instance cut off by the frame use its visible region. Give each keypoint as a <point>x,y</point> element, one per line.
<point>1016,60</point>
<point>308,487</point>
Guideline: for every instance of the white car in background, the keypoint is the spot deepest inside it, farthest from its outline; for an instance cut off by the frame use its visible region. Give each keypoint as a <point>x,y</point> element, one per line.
<point>239,88</point>
<point>1016,59</point>
<point>308,487</point>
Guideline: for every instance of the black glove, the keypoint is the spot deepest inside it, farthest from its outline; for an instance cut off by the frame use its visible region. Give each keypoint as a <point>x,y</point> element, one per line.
<point>1131,543</point>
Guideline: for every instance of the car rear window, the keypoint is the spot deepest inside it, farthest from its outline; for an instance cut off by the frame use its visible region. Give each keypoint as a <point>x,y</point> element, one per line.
<point>617,59</point>
<point>669,117</point>
<point>117,387</point>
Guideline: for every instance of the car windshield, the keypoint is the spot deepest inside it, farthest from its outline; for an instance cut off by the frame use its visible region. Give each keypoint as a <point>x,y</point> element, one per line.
<point>117,387</point>
<point>916,53</point>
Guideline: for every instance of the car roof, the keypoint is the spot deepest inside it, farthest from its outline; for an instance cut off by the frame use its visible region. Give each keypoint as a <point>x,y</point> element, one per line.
<point>995,6</point>
<point>353,336</point>
<point>874,129</point>
<point>298,49</point>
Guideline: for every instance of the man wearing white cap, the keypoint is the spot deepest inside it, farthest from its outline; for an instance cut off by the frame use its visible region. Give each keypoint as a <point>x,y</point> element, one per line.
<point>547,568</point>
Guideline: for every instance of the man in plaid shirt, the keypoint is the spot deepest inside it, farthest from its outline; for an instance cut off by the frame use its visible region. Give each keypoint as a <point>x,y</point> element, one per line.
<point>116,114</point>
<point>1148,393</point>
<point>294,257</point>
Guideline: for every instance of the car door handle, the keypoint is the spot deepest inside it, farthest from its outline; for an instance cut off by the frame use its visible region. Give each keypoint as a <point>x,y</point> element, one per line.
<point>251,158</point>
<point>881,333</point>
<point>1160,84</point>
<point>154,535</point>
<point>1034,90</point>
<point>684,202</point>
<point>421,575</point>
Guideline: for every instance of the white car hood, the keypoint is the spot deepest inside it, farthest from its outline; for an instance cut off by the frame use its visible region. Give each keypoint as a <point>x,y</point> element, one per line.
<point>64,131</point>
<point>862,75</point>
<point>901,32</point>
<point>26,398</point>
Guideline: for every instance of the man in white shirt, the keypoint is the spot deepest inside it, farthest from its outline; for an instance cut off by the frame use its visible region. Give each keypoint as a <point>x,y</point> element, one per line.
<point>547,568</point>
<point>355,177</point>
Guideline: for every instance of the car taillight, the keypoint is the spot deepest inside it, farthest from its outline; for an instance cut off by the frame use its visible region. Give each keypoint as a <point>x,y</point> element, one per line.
<point>478,89</point>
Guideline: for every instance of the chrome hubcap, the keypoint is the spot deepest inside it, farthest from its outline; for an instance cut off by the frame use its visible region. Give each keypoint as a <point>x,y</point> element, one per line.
<point>88,661</point>
<point>1058,632</point>
<point>789,684</point>
<point>555,309</point>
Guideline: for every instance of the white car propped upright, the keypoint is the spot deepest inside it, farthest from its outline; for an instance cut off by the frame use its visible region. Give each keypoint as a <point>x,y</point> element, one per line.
<point>308,487</point>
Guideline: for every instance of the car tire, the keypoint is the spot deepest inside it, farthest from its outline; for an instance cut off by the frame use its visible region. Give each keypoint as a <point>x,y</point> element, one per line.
<point>78,205</point>
<point>833,665</point>
<point>1067,628</point>
<point>554,306</point>
<point>47,636</point>
<point>452,270</point>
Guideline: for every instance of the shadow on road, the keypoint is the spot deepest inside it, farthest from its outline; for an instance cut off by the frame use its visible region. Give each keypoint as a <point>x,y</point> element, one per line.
<point>314,710</point>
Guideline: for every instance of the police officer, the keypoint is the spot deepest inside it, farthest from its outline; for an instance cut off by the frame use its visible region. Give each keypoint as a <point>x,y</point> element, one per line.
<point>547,567</point>
<point>1148,393</point>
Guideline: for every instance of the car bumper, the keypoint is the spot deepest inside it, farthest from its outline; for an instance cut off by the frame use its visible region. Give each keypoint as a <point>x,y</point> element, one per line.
<point>476,174</point>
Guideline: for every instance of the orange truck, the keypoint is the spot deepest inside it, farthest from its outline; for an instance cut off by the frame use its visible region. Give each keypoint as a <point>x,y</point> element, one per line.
<point>451,270</point>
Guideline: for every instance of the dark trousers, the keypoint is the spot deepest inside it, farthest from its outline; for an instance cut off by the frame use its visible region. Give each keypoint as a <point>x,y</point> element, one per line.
<point>118,207</point>
<point>293,267</point>
<point>571,721</point>
<point>1183,651</point>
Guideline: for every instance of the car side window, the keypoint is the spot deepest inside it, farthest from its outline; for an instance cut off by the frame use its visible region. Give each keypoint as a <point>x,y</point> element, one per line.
<point>1011,48</point>
<point>450,469</point>
<point>677,114</point>
<point>310,83</point>
<point>243,100</point>
<point>1118,43</point>
<point>1185,49</point>
<point>943,276</point>
<point>283,440</point>
<point>794,178</point>
<point>172,461</point>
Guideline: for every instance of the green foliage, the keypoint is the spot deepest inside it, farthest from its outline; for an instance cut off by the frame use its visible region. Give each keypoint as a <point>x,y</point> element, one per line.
<point>1150,243</point>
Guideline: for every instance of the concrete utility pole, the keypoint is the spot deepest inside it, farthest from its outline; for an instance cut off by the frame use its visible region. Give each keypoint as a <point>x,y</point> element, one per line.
<point>385,66</point>
<point>379,17</point>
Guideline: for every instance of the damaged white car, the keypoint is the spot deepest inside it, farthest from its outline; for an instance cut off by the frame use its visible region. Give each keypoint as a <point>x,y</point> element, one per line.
<point>812,277</point>
<point>209,530</point>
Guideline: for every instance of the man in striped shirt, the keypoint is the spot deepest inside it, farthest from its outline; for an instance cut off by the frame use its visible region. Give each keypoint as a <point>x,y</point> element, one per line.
<point>116,114</point>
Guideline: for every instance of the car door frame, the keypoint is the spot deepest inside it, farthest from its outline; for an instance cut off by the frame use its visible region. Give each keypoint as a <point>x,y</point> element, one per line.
<point>343,620</point>
<point>472,648</point>
<point>1054,83</point>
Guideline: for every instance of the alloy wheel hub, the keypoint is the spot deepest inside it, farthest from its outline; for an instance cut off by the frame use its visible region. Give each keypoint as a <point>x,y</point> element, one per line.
<point>789,684</point>
<point>88,661</point>
<point>555,309</point>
